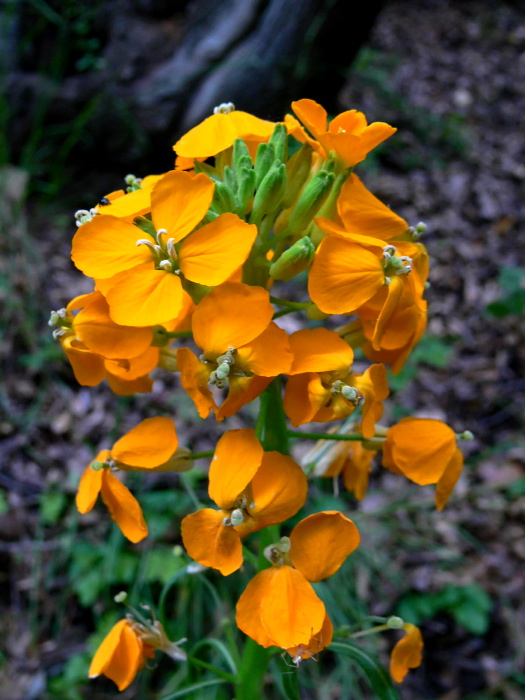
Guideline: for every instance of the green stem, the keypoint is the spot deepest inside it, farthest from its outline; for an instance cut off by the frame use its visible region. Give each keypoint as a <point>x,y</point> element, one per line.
<point>201,455</point>
<point>296,305</point>
<point>250,680</point>
<point>323,436</point>
<point>209,667</point>
<point>372,630</point>
<point>271,428</point>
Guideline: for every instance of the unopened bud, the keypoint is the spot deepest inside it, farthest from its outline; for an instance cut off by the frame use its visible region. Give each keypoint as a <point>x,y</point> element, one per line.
<point>167,358</point>
<point>240,153</point>
<point>120,597</point>
<point>279,140</point>
<point>270,192</point>
<point>466,435</point>
<point>294,260</point>
<point>310,201</point>
<point>263,162</point>
<point>223,199</point>
<point>395,623</point>
<point>298,169</point>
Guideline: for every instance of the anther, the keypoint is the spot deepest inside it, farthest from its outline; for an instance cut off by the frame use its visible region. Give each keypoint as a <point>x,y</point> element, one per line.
<point>224,108</point>
<point>166,265</point>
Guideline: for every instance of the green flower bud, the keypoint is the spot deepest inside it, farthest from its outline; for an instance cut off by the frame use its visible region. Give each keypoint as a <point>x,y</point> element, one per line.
<point>160,337</point>
<point>230,178</point>
<point>263,161</point>
<point>315,313</point>
<point>294,260</point>
<point>270,192</point>
<point>223,199</point>
<point>246,178</point>
<point>310,201</point>
<point>395,623</point>
<point>298,169</point>
<point>279,140</point>
<point>240,151</point>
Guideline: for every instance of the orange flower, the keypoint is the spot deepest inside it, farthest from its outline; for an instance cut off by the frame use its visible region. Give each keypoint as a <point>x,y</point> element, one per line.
<point>218,132</point>
<point>279,606</point>
<point>348,135</point>
<point>253,489</point>
<point>141,276</point>
<point>317,643</point>
<point>321,387</point>
<point>407,653</point>
<point>149,446</point>
<point>348,458</point>
<point>125,649</point>
<point>425,451</point>
<point>242,349</point>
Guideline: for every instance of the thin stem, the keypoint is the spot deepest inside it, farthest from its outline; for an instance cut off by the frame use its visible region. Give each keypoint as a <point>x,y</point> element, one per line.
<point>372,630</point>
<point>201,455</point>
<point>298,305</point>
<point>323,436</point>
<point>189,490</point>
<point>217,671</point>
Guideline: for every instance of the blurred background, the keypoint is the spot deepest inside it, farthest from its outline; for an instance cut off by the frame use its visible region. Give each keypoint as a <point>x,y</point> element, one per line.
<point>92,90</point>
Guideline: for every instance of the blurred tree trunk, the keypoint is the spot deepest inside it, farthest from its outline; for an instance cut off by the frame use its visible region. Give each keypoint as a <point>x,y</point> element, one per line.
<point>162,66</point>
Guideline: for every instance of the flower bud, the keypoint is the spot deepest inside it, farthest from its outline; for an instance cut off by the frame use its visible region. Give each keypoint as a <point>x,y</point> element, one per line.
<point>279,140</point>
<point>269,193</point>
<point>263,161</point>
<point>294,260</point>
<point>223,199</point>
<point>298,169</point>
<point>246,179</point>
<point>240,153</point>
<point>310,201</point>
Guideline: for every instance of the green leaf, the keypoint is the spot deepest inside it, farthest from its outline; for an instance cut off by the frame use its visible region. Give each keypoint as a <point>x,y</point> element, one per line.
<point>291,685</point>
<point>379,680</point>
<point>52,504</point>
<point>191,689</point>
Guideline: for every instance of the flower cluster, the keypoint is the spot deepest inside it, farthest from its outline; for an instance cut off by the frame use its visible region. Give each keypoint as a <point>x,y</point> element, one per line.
<point>186,268</point>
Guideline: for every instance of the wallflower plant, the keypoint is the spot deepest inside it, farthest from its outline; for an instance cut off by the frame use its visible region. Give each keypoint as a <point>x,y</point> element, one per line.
<point>192,272</point>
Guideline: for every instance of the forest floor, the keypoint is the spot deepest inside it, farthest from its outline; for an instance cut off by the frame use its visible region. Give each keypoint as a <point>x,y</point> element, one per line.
<point>451,77</point>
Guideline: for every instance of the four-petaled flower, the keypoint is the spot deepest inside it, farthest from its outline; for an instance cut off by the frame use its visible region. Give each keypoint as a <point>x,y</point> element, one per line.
<point>253,489</point>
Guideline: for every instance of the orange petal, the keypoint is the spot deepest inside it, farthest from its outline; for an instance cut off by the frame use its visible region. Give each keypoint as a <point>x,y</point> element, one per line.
<point>121,387</point>
<point>90,485</point>
<point>213,253</point>
<point>135,367</point>
<point>132,204</point>
<point>319,640</point>
<point>268,354</point>
<point>179,202</point>
<point>321,543</point>
<point>349,147</point>
<point>123,507</point>
<point>218,132</point>
<point>194,378</point>
<point>407,653</point>
<point>94,327</point>
<point>279,490</point>
<point>210,542</point>
<point>343,276</point>
<point>376,133</point>
<point>87,366</point>
<point>312,115</point>
<point>449,479</point>
<point>421,448</point>
<point>231,316</point>
<point>319,350</point>
<point>291,611</point>
<point>144,297</point>
<point>119,657</point>
<point>304,396</point>
<point>237,458</point>
<point>148,444</point>
<point>362,213</point>
<point>395,290</point>
<point>106,246</point>
<point>242,390</point>
<point>248,617</point>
